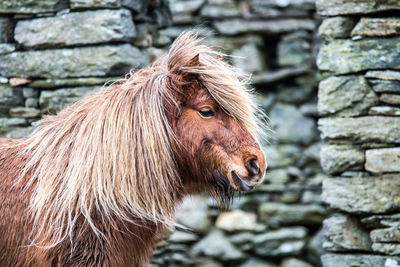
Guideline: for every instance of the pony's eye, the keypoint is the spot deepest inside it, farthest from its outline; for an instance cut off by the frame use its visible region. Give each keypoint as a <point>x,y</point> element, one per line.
<point>206,112</point>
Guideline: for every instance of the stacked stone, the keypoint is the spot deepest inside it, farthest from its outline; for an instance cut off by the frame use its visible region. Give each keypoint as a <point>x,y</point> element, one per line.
<point>359,102</point>
<point>54,52</point>
<point>278,223</point>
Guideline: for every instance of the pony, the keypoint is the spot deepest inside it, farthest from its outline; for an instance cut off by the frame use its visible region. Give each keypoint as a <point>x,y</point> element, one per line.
<point>98,183</point>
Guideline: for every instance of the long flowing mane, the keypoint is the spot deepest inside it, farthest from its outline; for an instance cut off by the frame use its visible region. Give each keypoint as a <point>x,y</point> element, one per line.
<point>111,153</point>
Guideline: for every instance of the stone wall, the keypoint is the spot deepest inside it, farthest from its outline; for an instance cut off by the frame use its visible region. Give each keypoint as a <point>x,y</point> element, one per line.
<point>359,105</point>
<point>54,52</point>
<point>278,223</point>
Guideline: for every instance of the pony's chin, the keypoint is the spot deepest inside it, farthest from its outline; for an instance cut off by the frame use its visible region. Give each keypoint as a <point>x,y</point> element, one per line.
<point>222,190</point>
<point>242,184</point>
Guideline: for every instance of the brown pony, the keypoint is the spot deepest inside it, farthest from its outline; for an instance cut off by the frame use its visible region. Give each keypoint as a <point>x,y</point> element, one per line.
<point>98,184</point>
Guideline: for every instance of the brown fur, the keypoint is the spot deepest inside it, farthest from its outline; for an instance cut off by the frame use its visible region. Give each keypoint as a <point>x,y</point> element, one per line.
<point>97,185</point>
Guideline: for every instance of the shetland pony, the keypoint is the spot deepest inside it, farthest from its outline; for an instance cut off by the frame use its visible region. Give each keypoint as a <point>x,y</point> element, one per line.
<point>98,184</point>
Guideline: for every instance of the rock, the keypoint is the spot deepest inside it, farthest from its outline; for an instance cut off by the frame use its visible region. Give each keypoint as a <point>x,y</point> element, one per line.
<point>383,74</point>
<point>18,81</point>
<point>292,127</point>
<point>6,29</point>
<point>282,242</point>
<point>345,233</point>
<point>193,214</point>
<point>182,237</point>
<point>277,75</point>
<point>311,197</point>
<point>365,54</point>
<point>68,82</point>
<point>276,214</point>
<point>236,220</point>
<point>281,155</point>
<point>79,4</point>
<point>309,110</point>
<point>314,248</point>
<point>386,248</point>
<point>31,102</point>
<point>386,235</point>
<point>187,7</point>
<point>390,99</point>
<point>56,100</point>
<point>345,96</point>
<point>243,240</point>
<point>383,160</point>
<point>336,27</point>
<point>9,97</point>
<point>380,86</point>
<point>29,92</point>
<point>7,48</point>
<point>293,262</point>
<point>224,9</point>
<point>381,221</point>
<point>339,158</point>
<point>335,260</point>
<point>362,129</point>
<point>89,27</point>
<point>294,95</point>
<point>138,6</point>
<point>384,110</point>
<point>216,245</point>
<point>11,122</point>
<point>24,112</point>
<point>240,26</point>
<point>278,176</point>
<point>344,7</point>
<point>18,132</point>
<point>264,6</point>
<point>254,262</point>
<point>29,7</point>
<point>377,27</point>
<point>377,194</point>
<point>84,61</point>
<point>294,52</point>
<point>248,58</point>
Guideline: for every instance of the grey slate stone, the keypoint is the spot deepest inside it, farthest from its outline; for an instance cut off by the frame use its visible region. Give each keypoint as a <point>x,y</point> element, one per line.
<point>345,96</point>
<point>73,62</point>
<point>386,235</point>
<point>276,214</point>
<point>377,27</point>
<point>9,97</point>
<point>336,27</point>
<point>383,74</point>
<point>383,160</point>
<point>31,7</point>
<point>379,129</point>
<point>282,242</point>
<point>339,158</point>
<point>345,7</point>
<point>217,245</point>
<point>55,100</point>
<point>345,233</point>
<point>365,54</point>
<point>78,4</point>
<point>385,86</point>
<point>391,99</point>
<point>7,48</point>
<point>240,26</point>
<point>377,194</point>
<point>76,28</point>
<point>292,127</point>
<point>193,214</point>
<point>386,248</point>
<point>248,58</point>
<point>356,260</point>
<point>384,110</point>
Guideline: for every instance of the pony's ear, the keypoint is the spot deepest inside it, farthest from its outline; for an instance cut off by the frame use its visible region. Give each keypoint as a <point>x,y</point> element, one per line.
<point>192,63</point>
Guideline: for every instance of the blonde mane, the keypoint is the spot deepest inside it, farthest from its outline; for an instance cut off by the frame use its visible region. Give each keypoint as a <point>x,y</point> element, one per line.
<point>111,153</point>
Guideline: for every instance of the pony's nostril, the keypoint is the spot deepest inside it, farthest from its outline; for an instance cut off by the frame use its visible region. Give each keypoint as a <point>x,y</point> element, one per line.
<point>252,167</point>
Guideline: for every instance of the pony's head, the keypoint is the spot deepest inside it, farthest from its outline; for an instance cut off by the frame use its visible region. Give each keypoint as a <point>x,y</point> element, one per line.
<point>214,121</point>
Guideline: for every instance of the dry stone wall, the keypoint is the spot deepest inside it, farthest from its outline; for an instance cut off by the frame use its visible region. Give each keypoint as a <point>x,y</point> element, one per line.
<point>358,102</point>
<point>277,224</point>
<point>52,53</point>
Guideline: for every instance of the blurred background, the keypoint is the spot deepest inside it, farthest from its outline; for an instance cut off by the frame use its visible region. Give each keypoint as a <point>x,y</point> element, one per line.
<point>54,52</point>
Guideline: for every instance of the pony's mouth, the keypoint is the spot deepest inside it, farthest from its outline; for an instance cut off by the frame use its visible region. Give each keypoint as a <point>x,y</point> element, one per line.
<point>242,184</point>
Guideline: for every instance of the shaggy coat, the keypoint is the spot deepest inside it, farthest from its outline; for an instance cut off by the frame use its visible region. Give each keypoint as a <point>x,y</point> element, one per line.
<point>98,184</point>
